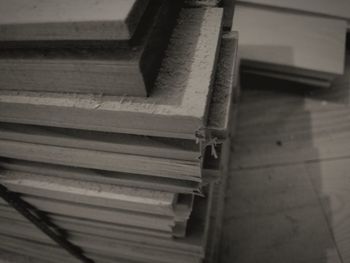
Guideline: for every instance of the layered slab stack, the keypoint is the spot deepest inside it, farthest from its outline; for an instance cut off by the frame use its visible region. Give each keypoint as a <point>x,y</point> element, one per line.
<point>339,9</point>
<point>283,44</point>
<point>126,179</point>
<point>106,47</point>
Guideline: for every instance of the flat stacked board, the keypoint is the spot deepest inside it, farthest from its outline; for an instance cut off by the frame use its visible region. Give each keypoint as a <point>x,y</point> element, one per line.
<point>112,245</point>
<point>134,193</point>
<point>174,109</point>
<point>339,9</point>
<point>286,45</point>
<point>78,66</point>
<point>70,20</point>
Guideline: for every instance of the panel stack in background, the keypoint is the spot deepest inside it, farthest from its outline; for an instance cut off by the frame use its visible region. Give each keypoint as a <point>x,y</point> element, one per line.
<point>299,41</point>
<point>338,9</point>
<point>124,176</point>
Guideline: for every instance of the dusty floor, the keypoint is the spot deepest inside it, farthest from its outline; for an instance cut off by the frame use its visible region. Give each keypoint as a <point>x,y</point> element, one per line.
<point>288,195</point>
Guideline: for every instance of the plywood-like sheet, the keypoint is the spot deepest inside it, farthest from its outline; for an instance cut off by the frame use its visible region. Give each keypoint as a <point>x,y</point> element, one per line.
<point>23,20</point>
<point>167,148</point>
<point>177,107</point>
<point>84,223</point>
<point>101,160</point>
<point>120,217</point>
<point>112,196</point>
<point>293,43</point>
<point>173,185</point>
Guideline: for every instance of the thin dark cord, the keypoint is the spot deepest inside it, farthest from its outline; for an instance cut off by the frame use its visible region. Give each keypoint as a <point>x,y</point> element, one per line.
<point>24,209</point>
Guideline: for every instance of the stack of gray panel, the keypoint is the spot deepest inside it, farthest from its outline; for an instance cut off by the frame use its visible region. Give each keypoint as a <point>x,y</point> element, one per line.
<point>127,178</point>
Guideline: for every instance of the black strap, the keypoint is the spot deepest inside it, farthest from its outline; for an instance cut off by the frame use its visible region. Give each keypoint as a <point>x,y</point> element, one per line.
<point>25,209</point>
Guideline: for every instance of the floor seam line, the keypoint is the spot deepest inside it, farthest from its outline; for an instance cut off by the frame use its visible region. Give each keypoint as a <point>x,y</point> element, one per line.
<point>325,216</point>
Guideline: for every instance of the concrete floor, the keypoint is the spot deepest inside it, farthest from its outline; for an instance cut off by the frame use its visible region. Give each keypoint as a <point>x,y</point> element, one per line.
<point>288,197</point>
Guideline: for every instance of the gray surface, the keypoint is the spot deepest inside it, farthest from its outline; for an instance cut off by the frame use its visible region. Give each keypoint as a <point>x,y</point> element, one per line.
<point>288,191</point>
<point>23,20</point>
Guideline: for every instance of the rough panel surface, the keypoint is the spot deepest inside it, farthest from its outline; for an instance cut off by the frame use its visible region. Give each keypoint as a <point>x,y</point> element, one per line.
<point>23,20</point>
<point>176,107</point>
